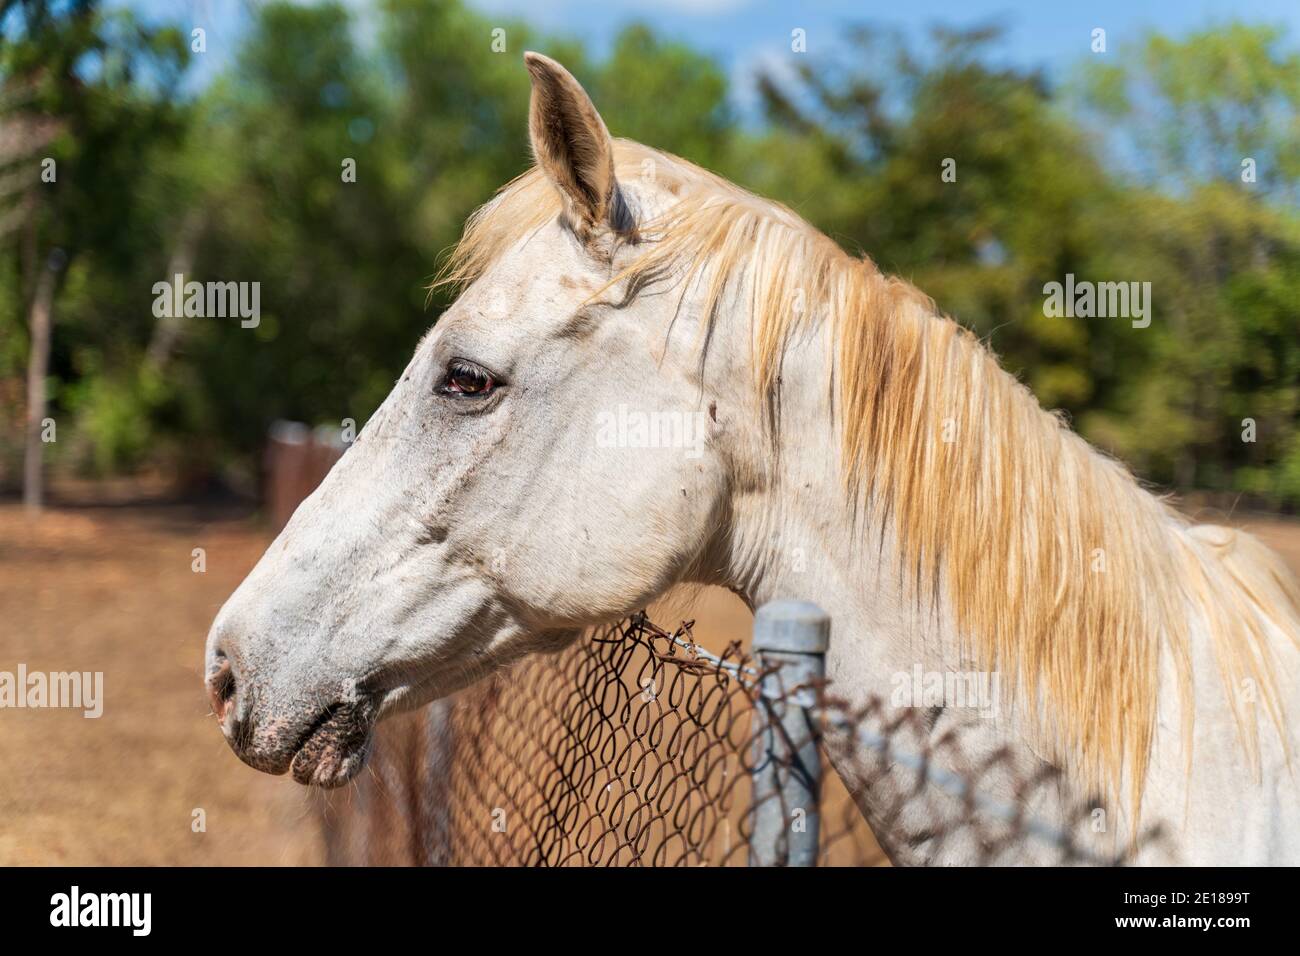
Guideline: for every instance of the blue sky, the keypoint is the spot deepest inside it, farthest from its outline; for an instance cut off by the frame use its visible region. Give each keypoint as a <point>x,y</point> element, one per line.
<point>743,33</point>
<point>1040,31</point>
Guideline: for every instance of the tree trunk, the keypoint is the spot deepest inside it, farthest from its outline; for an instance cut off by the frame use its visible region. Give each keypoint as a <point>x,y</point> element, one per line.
<point>38,366</point>
<point>167,333</point>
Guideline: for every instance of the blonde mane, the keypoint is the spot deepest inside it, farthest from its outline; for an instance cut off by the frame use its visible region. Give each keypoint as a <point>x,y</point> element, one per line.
<point>1061,573</point>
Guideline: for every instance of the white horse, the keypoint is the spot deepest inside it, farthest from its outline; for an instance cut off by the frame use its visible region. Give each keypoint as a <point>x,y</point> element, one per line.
<point>830,437</point>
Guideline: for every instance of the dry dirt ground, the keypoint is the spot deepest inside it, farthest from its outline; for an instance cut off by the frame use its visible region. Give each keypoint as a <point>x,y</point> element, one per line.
<point>111,589</point>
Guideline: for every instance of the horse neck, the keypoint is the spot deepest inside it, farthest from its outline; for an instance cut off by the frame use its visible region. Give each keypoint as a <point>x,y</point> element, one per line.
<point>795,533</point>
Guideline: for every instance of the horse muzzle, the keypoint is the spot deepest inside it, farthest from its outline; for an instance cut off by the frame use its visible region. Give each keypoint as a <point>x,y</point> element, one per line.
<point>323,746</point>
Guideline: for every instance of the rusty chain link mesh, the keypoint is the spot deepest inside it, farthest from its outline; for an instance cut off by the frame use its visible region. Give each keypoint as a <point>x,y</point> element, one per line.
<point>632,747</point>
<point>627,748</point>
<point>622,750</point>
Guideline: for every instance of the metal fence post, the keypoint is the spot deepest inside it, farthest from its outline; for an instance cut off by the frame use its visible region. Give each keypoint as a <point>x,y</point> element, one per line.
<point>792,637</point>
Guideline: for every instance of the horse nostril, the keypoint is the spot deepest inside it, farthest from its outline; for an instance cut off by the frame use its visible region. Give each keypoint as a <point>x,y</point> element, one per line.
<point>221,686</point>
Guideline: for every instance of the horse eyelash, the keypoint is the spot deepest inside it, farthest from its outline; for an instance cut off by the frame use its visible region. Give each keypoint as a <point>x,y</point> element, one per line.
<point>456,365</point>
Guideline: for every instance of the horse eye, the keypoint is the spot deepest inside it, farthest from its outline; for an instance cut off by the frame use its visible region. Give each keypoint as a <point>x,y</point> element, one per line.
<point>466,378</point>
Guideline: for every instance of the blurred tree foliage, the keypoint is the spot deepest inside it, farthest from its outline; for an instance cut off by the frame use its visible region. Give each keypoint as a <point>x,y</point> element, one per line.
<point>102,88</point>
<point>1130,170</point>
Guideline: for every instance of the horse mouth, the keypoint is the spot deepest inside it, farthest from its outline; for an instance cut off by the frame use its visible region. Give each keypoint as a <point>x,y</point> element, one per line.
<point>334,748</point>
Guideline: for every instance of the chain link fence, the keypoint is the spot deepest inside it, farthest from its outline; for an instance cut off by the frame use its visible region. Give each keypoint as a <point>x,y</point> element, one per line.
<point>631,747</point>
<point>634,747</point>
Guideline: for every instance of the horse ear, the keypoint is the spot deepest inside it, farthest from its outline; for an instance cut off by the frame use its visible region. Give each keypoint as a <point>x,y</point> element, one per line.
<point>571,143</point>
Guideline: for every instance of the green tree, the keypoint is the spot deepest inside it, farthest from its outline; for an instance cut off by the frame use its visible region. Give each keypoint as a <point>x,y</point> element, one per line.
<point>104,86</point>
<point>1208,136</point>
